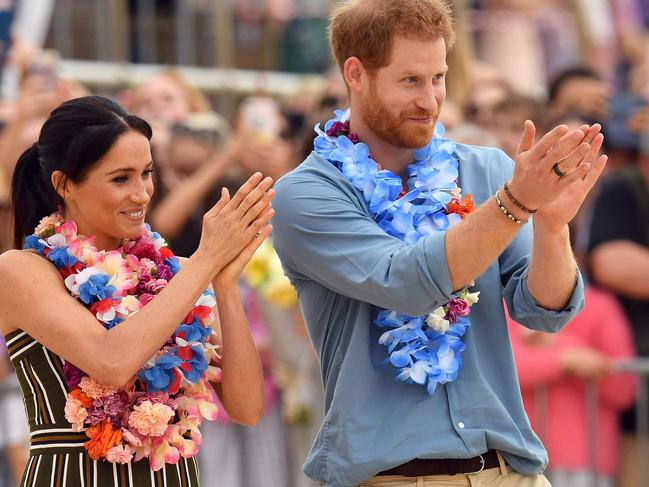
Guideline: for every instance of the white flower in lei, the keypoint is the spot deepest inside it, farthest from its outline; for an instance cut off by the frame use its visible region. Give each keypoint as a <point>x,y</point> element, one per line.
<point>426,350</point>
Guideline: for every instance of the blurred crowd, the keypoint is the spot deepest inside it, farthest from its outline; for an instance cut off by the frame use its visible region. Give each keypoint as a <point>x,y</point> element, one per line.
<point>550,61</point>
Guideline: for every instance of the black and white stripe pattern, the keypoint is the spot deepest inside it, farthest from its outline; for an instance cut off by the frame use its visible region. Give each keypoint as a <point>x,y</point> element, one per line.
<point>57,455</point>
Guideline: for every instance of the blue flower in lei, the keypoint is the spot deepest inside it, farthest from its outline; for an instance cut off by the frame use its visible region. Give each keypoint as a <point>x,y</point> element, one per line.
<point>426,350</point>
<point>173,263</point>
<point>198,364</point>
<point>34,242</point>
<point>194,331</point>
<point>95,288</point>
<point>160,375</point>
<point>60,257</point>
<point>113,323</point>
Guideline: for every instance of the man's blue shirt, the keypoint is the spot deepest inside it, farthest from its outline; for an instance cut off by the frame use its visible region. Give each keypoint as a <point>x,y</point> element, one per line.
<point>343,267</point>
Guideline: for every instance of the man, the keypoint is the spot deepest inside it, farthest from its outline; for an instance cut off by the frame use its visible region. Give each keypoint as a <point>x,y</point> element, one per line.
<point>578,90</point>
<point>360,255</point>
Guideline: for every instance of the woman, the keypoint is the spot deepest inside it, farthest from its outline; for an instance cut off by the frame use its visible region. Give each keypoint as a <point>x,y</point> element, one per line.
<point>113,355</point>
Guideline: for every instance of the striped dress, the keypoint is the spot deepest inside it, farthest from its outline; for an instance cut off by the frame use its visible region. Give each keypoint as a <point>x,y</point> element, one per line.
<point>57,456</point>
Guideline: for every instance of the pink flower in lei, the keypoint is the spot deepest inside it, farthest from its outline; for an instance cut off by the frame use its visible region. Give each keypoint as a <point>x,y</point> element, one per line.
<point>158,398</point>
<point>75,413</point>
<point>145,298</point>
<point>48,223</point>
<point>72,375</point>
<point>132,438</point>
<point>145,269</point>
<point>120,454</point>
<point>95,389</point>
<point>150,419</point>
<point>154,286</point>
<point>177,436</point>
<point>163,452</point>
<point>142,249</point>
<point>458,307</point>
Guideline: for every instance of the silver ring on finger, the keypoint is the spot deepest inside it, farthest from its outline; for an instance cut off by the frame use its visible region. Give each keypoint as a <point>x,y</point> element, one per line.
<point>256,235</point>
<point>557,171</point>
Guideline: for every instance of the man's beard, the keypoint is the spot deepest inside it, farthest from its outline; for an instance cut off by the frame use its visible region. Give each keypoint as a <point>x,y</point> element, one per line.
<point>392,127</point>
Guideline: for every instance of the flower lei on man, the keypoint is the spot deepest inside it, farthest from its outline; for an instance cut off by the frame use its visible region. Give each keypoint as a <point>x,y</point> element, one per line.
<point>158,413</point>
<point>425,349</point>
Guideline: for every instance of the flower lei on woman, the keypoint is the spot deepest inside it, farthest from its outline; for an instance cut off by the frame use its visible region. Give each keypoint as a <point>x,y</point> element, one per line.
<point>158,413</point>
<point>427,350</point>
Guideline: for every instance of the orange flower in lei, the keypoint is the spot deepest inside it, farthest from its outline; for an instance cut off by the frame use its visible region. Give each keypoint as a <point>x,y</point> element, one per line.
<point>102,438</point>
<point>81,396</point>
<point>462,207</point>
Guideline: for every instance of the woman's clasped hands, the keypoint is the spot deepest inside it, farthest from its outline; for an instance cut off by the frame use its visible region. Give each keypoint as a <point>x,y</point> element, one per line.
<point>235,227</point>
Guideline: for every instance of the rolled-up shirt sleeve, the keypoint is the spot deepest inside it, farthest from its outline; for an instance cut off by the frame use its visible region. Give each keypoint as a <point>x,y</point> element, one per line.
<point>323,233</point>
<point>514,266</point>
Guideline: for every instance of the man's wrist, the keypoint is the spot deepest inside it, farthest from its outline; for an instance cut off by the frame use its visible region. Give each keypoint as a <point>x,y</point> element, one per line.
<point>547,228</point>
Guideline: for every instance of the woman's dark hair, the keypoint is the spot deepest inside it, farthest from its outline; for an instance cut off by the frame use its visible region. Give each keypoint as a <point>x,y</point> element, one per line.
<point>75,137</point>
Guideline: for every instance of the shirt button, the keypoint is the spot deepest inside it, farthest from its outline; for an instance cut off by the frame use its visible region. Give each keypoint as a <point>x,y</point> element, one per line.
<point>461,425</point>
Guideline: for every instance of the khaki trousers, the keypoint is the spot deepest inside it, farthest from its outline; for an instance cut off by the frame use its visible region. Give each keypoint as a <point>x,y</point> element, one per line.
<point>493,477</point>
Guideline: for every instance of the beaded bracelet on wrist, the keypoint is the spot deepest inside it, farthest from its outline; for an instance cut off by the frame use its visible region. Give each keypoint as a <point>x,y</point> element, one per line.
<point>507,213</point>
<point>516,202</point>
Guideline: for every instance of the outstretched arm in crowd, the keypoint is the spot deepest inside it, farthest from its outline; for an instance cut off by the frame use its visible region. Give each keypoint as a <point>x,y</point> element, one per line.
<point>622,266</point>
<point>34,103</point>
<point>171,214</point>
<point>619,243</point>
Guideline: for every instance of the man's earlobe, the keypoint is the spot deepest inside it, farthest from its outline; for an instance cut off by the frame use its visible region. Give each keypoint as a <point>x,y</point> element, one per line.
<point>353,72</point>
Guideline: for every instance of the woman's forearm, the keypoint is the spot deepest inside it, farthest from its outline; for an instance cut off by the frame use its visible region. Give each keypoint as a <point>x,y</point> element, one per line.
<point>135,340</point>
<point>242,386</point>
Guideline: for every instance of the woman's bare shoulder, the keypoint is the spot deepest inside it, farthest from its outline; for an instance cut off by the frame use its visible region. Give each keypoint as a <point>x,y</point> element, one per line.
<point>24,276</point>
<point>26,266</point>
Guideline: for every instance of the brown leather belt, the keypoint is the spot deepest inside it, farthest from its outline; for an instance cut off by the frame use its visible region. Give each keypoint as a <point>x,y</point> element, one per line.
<point>420,467</point>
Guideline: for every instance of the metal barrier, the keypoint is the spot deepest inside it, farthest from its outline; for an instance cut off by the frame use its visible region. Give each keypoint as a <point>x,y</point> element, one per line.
<point>179,32</point>
<point>123,30</point>
<point>639,367</point>
<point>97,74</point>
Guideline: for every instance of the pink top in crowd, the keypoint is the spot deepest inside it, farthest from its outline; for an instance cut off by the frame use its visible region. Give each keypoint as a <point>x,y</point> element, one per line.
<point>602,326</point>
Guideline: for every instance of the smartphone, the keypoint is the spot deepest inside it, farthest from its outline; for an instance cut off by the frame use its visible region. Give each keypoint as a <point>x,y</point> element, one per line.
<point>261,115</point>
<point>207,127</point>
